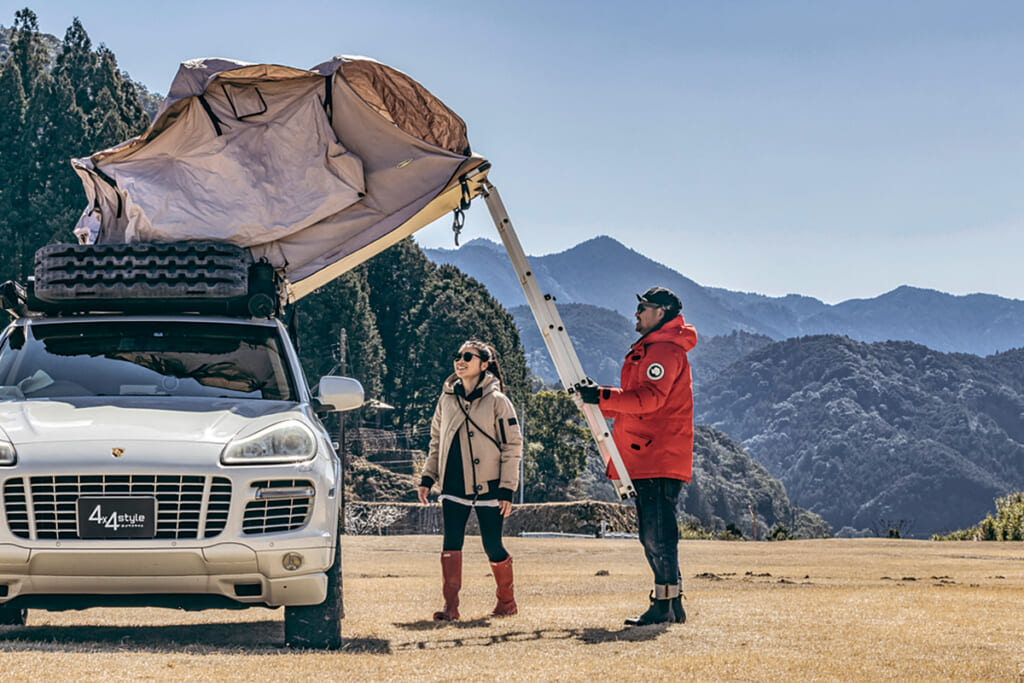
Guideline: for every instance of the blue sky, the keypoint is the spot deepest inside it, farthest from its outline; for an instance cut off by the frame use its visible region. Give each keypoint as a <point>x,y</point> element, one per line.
<point>833,149</point>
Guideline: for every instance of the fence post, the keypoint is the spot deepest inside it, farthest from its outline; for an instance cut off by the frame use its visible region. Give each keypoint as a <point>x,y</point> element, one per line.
<point>522,457</point>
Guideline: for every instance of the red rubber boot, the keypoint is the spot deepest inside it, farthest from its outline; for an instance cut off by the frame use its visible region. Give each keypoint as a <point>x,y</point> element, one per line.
<point>451,571</point>
<point>506,606</point>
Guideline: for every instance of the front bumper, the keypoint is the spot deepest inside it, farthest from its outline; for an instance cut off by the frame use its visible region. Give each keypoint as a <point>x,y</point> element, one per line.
<point>40,577</point>
<point>230,551</point>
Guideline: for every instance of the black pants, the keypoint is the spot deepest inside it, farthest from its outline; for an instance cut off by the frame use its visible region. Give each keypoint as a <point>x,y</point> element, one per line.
<point>656,501</point>
<point>456,515</point>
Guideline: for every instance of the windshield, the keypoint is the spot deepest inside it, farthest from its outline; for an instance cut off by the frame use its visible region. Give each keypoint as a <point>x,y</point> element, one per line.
<point>144,358</point>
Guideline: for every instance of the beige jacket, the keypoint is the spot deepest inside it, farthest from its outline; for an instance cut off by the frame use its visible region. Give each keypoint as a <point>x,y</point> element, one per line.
<point>493,454</point>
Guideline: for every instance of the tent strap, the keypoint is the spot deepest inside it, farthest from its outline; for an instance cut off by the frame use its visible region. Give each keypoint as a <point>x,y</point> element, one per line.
<point>459,217</point>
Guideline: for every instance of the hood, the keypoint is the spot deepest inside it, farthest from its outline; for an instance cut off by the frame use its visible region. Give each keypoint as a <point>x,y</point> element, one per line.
<point>159,419</point>
<point>488,384</point>
<point>675,331</point>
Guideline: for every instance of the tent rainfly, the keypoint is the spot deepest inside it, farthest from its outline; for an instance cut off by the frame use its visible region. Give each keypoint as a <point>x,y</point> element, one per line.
<point>312,170</point>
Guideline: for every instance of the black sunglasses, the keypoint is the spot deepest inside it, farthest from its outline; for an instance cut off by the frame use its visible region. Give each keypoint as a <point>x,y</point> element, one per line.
<point>640,307</point>
<point>466,356</point>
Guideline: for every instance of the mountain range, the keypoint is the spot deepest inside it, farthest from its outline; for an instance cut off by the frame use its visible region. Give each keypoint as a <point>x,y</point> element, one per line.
<point>601,338</point>
<point>860,432</point>
<point>925,431</point>
<point>603,272</point>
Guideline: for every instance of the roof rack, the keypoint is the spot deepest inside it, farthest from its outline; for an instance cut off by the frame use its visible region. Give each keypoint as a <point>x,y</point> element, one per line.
<point>185,277</point>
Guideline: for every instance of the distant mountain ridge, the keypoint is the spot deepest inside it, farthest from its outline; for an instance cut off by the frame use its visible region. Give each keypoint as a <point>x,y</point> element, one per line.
<point>602,337</point>
<point>603,272</point>
<point>862,432</point>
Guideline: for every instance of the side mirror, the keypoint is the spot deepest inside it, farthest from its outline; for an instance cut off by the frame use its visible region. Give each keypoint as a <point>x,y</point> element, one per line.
<point>341,393</point>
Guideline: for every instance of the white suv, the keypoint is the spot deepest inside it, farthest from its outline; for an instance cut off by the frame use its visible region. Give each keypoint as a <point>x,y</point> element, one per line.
<point>171,460</point>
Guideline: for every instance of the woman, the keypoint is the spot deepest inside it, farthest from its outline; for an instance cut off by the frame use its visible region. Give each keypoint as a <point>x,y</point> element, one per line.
<point>475,447</point>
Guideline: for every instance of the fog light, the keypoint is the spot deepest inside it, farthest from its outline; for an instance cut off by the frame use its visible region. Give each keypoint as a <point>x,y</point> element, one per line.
<point>291,561</point>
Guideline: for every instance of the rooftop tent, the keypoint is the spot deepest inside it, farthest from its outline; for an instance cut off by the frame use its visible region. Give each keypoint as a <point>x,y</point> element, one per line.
<point>313,170</point>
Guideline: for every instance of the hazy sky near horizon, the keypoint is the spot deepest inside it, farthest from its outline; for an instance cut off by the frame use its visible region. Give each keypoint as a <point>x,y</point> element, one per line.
<point>833,149</point>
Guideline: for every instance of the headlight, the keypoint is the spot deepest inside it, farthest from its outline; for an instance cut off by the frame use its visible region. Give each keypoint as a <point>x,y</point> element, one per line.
<point>7,454</point>
<point>289,441</point>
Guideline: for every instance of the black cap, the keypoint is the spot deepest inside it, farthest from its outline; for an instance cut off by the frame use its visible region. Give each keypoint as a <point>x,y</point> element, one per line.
<point>659,296</point>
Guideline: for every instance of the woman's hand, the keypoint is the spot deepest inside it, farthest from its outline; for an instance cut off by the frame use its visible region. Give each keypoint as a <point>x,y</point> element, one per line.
<point>504,507</point>
<point>422,492</point>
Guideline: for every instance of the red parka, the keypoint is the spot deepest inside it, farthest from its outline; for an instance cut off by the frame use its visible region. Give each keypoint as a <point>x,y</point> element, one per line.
<point>653,409</point>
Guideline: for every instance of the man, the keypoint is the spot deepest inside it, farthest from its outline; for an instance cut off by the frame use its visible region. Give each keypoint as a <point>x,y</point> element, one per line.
<point>653,431</point>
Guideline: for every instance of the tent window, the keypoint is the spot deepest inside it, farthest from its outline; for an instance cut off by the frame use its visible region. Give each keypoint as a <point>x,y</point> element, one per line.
<point>245,100</point>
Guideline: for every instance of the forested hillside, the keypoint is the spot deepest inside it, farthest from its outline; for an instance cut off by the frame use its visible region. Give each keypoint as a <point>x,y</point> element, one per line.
<point>56,102</point>
<point>726,480</point>
<point>861,433</point>
<point>601,338</point>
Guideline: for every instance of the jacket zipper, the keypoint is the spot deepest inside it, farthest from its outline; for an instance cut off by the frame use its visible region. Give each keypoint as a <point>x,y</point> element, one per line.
<point>469,440</point>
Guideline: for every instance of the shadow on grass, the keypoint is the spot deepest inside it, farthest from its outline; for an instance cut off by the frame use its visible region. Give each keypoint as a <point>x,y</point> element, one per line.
<point>430,625</point>
<point>267,637</point>
<point>588,636</point>
<point>256,637</point>
<point>209,638</point>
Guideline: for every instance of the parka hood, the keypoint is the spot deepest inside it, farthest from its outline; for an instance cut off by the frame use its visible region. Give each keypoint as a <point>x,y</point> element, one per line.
<point>486,385</point>
<point>675,331</point>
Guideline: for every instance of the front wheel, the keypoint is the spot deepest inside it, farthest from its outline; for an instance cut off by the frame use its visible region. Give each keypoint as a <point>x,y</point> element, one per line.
<point>319,626</point>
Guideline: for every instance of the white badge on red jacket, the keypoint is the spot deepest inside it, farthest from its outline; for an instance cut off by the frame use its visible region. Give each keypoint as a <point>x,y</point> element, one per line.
<point>655,371</point>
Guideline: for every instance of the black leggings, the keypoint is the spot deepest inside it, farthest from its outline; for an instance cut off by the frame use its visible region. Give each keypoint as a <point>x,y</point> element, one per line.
<point>456,515</point>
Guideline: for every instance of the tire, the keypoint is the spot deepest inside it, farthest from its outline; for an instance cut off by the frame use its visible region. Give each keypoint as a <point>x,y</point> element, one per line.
<point>11,616</point>
<point>318,627</point>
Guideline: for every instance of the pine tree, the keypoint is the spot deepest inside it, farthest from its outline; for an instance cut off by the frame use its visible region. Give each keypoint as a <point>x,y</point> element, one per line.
<point>77,62</point>
<point>341,304</point>
<point>56,199</point>
<point>27,64</point>
<point>118,115</point>
<point>27,50</point>
<point>454,308</point>
<point>396,278</point>
<point>557,447</point>
<point>84,105</point>
<point>13,163</point>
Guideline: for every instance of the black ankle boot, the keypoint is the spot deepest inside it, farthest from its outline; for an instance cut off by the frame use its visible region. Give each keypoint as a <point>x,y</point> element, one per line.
<point>678,613</point>
<point>659,612</point>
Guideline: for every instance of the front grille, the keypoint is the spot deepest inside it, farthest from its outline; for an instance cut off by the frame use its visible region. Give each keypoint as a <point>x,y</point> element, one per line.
<point>277,514</point>
<point>185,504</point>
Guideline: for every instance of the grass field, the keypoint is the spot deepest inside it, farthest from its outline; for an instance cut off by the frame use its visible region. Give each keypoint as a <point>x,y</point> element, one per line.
<point>839,609</point>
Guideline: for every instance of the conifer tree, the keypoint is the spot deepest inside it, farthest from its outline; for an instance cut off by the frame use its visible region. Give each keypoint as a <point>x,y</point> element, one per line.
<point>27,62</point>
<point>343,303</point>
<point>118,115</point>
<point>83,106</point>
<point>27,50</point>
<point>56,198</point>
<point>557,447</point>
<point>396,278</point>
<point>13,163</point>
<point>454,307</point>
<point>77,62</point>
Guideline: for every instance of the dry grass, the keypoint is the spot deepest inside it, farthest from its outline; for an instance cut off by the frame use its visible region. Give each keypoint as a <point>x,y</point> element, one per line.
<point>799,610</point>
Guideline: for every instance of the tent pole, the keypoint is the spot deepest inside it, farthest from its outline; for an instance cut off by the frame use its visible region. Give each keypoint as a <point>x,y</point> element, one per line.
<point>567,363</point>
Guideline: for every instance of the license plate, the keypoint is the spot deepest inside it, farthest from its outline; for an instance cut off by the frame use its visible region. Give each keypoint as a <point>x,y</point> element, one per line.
<point>117,517</point>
